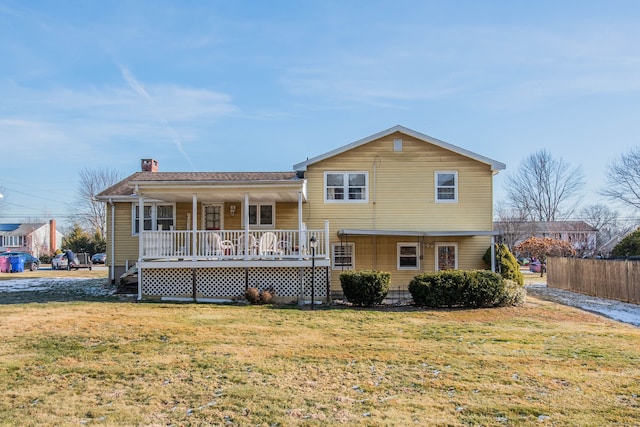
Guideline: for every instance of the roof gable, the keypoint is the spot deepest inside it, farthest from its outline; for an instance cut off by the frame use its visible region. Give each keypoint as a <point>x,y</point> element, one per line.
<point>495,165</point>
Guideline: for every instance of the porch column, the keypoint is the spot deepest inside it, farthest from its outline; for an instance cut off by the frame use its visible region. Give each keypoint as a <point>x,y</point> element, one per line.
<point>245,220</point>
<point>140,227</point>
<point>493,253</point>
<point>301,243</point>
<point>194,223</point>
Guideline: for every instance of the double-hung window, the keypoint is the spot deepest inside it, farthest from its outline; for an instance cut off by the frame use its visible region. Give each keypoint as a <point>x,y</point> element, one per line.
<point>446,186</point>
<point>156,217</point>
<point>342,256</point>
<point>346,187</point>
<point>408,256</point>
<point>262,215</point>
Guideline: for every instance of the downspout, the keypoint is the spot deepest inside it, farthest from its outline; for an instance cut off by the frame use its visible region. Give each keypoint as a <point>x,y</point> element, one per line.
<point>113,240</point>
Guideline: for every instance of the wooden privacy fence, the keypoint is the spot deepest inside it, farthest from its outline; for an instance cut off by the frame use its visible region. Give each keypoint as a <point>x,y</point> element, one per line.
<point>612,279</point>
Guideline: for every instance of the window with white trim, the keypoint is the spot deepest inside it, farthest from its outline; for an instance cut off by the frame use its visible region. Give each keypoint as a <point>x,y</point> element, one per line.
<point>156,217</point>
<point>342,256</point>
<point>446,186</point>
<point>11,240</point>
<point>346,187</point>
<point>262,215</point>
<point>408,256</point>
<point>446,256</point>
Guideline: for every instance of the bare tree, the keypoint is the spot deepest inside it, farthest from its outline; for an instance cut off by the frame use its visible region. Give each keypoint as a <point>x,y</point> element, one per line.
<point>512,225</point>
<point>600,217</point>
<point>623,179</point>
<point>89,212</point>
<point>544,187</point>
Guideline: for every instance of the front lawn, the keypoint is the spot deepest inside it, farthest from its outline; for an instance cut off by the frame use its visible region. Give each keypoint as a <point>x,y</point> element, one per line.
<point>171,364</point>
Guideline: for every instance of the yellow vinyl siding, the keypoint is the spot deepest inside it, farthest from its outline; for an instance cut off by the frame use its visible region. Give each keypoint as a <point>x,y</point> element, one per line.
<point>401,189</point>
<point>401,196</point>
<point>381,253</point>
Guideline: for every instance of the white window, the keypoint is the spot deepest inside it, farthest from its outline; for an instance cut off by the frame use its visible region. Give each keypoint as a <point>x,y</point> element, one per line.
<point>156,217</point>
<point>342,256</point>
<point>262,215</point>
<point>446,256</point>
<point>12,241</point>
<point>446,187</point>
<point>212,218</point>
<point>346,187</point>
<point>408,256</point>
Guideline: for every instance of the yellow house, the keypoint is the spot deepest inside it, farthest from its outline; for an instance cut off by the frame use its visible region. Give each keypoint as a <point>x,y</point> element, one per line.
<point>398,201</point>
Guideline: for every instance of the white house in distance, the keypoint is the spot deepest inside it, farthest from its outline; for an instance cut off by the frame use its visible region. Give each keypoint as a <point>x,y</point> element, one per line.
<point>581,235</point>
<point>38,238</point>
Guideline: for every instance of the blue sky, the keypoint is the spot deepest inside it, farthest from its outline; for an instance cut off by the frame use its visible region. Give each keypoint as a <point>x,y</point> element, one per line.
<point>262,85</point>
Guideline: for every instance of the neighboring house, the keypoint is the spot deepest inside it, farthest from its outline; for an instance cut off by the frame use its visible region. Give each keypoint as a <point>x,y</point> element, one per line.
<point>604,251</point>
<point>579,234</point>
<point>397,201</point>
<point>37,239</point>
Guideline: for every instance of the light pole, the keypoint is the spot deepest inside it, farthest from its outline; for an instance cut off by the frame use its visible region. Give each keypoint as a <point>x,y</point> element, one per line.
<point>312,243</point>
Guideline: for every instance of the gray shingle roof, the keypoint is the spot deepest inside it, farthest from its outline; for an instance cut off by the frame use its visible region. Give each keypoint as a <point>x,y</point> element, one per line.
<point>123,187</point>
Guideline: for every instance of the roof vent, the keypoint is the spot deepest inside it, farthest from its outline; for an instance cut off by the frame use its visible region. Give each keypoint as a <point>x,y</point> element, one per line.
<point>397,144</point>
<point>149,165</point>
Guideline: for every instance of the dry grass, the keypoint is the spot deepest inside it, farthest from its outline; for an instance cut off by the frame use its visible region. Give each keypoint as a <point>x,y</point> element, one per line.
<point>170,364</point>
<point>46,272</point>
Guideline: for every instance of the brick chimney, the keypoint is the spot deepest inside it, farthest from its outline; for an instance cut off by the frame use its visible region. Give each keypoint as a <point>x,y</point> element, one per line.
<point>52,236</point>
<point>149,165</point>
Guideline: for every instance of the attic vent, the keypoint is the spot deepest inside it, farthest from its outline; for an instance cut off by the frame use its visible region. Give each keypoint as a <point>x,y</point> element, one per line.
<point>397,145</point>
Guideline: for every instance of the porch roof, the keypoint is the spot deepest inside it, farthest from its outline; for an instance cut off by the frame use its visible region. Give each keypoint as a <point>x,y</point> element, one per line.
<point>208,186</point>
<point>416,233</point>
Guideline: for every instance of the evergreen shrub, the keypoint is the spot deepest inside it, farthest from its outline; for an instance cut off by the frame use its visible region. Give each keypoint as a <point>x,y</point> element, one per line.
<point>456,288</point>
<point>506,263</point>
<point>365,287</point>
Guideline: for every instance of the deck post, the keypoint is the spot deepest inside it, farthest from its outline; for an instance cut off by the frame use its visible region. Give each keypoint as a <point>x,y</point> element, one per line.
<point>327,253</point>
<point>140,227</point>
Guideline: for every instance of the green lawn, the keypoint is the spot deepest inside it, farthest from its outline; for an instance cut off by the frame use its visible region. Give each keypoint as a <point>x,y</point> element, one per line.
<point>191,364</point>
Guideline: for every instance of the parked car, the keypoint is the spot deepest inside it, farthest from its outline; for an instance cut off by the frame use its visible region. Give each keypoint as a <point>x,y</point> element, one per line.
<point>98,258</point>
<point>537,266</point>
<point>30,262</point>
<point>130,277</point>
<point>59,262</point>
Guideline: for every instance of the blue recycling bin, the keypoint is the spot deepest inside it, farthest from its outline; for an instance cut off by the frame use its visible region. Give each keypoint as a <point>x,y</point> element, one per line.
<point>17,264</point>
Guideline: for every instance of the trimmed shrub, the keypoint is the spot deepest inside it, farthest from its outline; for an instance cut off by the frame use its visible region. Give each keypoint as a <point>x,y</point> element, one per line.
<point>267,296</point>
<point>514,295</point>
<point>366,287</point>
<point>506,263</point>
<point>255,296</point>
<point>252,295</point>
<point>455,288</point>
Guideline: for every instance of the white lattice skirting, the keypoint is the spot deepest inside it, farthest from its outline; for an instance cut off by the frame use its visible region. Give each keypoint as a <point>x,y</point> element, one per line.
<point>232,282</point>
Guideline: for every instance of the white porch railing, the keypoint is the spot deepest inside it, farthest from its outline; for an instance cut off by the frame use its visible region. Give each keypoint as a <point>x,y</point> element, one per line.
<point>234,244</point>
